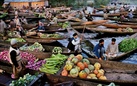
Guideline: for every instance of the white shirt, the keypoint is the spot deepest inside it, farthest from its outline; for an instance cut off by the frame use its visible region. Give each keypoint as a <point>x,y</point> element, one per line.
<point>76,41</point>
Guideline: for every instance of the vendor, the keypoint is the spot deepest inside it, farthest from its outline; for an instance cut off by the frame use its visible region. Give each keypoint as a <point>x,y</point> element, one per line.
<point>74,44</point>
<point>20,30</point>
<point>40,26</point>
<point>18,63</point>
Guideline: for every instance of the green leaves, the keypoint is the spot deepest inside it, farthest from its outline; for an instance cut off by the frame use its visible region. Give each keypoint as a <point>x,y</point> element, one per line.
<point>128,45</point>
<point>23,81</point>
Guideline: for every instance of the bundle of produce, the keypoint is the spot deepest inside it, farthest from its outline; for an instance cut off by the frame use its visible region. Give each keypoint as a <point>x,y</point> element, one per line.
<point>129,29</point>
<point>128,44</point>
<point>3,15</point>
<point>57,50</point>
<point>53,64</point>
<point>33,63</point>
<point>64,25</point>
<point>23,81</point>
<point>18,39</point>
<point>35,47</point>
<point>77,66</point>
<point>50,35</point>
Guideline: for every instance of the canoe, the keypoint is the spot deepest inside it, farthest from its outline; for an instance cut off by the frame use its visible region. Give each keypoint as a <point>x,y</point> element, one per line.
<point>109,15</point>
<point>33,40</point>
<point>127,23</point>
<point>52,80</point>
<point>111,30</point>
<point>110,25</point>
<point>81,27</point>
<point>122,74</point>
<point>87,48</point>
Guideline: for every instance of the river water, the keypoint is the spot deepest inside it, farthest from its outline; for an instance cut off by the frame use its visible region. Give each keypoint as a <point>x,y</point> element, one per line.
<point>94,38</point>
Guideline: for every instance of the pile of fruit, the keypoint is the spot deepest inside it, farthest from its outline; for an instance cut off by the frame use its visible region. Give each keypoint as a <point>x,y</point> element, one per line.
<point>53,64</point>
<point>18,39</point>
<point>35,47</point>
<point>77,66</point>
<point>23,81</point>
<point>57,50</point>
<point>128,44</point>
<point>50,35</point>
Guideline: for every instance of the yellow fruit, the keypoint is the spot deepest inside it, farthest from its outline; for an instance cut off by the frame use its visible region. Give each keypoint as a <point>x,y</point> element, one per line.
<point>68,67</point>
<point>101,71</point>
<point>92,75</point>
<point>97,65</point>
<point>103,78</point>
<point>88,77</point>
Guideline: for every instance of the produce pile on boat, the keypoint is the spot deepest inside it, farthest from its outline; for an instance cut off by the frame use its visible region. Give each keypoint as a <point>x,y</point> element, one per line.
<point>128,29</point>
<point>128,44</point>
<point>41,35</point>
<point>33,63</point>
<point>57,50</point>
<point>3,15</point>
<point>18,39</point>
<point>77,66</point>
<point>53,64</point>
<point>64,25</point>
<point>23,81</point>
<point>35,47</point>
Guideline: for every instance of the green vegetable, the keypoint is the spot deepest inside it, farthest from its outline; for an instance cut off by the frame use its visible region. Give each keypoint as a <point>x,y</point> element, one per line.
<point>57,50</point>
<point>23,81</point>
<point>18,39</point>
<point>53,64</point>
<point>50,36</point>
<point>36,46</point>
<point>128,45</point>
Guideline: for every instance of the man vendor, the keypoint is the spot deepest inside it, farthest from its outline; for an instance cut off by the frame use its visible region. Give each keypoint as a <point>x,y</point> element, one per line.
<point>74,44</point>
<point>99,50</point>
<point>18,63</point>
<point>112,49</point>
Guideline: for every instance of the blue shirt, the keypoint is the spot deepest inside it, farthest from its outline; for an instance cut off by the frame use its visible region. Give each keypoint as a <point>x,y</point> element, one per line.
<point>99,50</point>
<point>41,28</point>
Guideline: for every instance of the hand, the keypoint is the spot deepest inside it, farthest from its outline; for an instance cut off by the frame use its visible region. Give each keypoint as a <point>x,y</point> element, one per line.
<point>18,67</point>
<point>100,59</point>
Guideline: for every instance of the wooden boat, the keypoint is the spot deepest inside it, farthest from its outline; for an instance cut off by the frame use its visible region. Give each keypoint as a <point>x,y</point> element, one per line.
<point>109,15</point>
<point>110,25</point>
<point>52,80</point>
<point>127,23</point>
<point>111,30</point>
<point>87,47</point>
<point>81,27</point>
<point>122,74</point>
